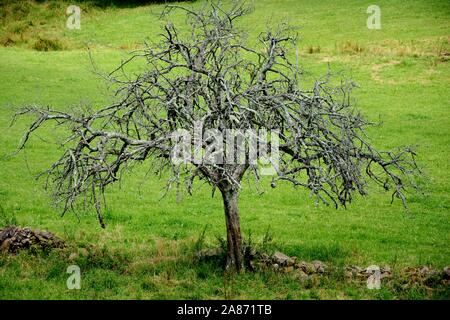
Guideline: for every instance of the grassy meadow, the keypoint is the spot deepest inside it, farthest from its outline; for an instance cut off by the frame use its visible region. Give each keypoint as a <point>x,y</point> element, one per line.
<point>147,249</point>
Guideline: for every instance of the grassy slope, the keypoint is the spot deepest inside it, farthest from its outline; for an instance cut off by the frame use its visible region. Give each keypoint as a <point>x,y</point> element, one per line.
<point>403,79</point>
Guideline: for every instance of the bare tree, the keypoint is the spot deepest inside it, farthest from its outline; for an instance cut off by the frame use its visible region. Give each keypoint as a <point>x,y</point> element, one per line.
<point>210,75</point>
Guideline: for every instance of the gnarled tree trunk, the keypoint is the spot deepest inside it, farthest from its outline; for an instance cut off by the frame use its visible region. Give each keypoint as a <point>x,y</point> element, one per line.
<point>235,252</point>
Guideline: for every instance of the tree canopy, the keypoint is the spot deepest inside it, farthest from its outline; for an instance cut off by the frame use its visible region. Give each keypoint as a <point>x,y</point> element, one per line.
<point>211,77</point>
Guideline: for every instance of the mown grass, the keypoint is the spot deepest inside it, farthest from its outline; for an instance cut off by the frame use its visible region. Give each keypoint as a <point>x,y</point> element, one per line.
<point>147,249</point>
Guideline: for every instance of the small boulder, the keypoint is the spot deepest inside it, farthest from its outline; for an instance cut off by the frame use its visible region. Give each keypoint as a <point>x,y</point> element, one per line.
<point>208,253</point>
<point>386,272</point>
<point>280,258</point>
<point>291,261</point>
<point>386,269</point>
<point>425,271</point>
<point>319,266</point>
<point>306,267</point>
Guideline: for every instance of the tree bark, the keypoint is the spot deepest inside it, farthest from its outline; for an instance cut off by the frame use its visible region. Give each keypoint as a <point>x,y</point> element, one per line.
<point>235,254</point>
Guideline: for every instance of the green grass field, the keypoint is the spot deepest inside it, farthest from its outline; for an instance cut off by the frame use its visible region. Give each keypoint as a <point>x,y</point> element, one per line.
<point>146,250</point>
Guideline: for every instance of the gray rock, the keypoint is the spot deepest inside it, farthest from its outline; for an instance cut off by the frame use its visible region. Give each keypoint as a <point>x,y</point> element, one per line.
<point>208,253</point>
<point>306,267</point>
<point>291,261</point>
<point>424,271</point>
<point>386,269</point>
<point>319,266</point>
<point>280,258</point>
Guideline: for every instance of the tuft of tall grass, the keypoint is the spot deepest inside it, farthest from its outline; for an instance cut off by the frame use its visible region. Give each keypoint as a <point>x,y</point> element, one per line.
<point>349,47</point>
<point>43,44</point>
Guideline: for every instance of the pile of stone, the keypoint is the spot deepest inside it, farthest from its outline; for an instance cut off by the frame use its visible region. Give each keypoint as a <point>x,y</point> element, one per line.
<point>413,275</point>
<point>282,263</point>
<point>426,275</point>
<point>13,239</point>
<point>358,273</point>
